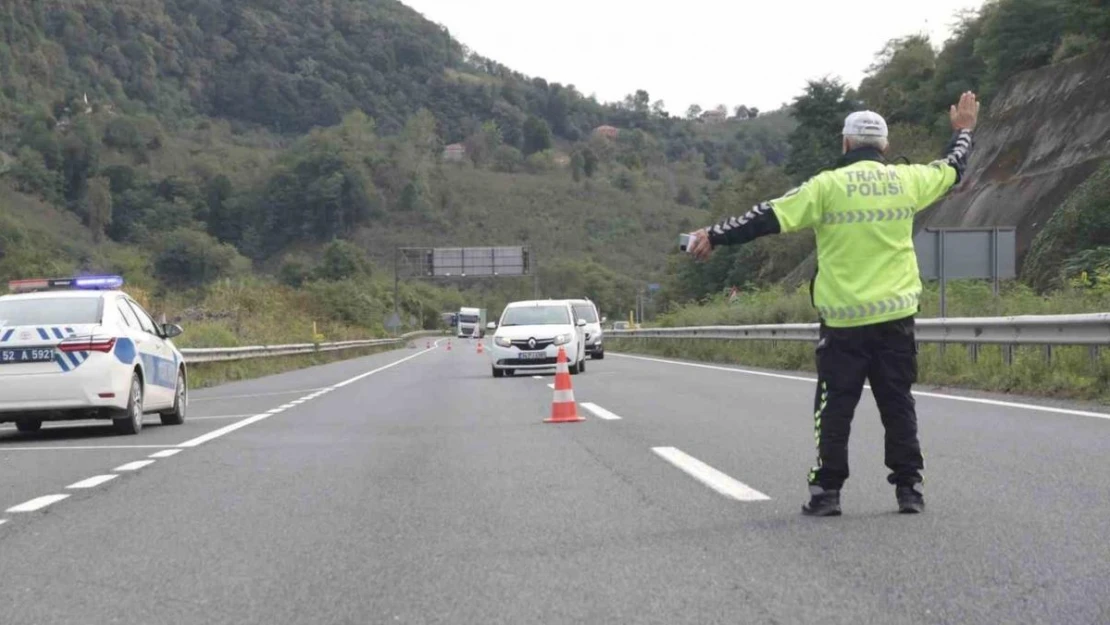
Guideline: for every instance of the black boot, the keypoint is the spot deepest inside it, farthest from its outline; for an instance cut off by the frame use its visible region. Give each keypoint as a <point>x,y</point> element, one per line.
<point>822,502</point>
<point>910,499</point>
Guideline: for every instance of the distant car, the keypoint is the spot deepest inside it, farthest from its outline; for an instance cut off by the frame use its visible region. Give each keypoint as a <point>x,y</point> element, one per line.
<point>585,309</point>
<point>79,348</point>
<point>530,334</point>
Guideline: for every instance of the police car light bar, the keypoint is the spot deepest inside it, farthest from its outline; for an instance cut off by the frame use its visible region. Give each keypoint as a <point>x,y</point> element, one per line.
<point>82,282</point>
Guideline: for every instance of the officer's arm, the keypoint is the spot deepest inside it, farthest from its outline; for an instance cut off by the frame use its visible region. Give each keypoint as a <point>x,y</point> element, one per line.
<point>938,177</point>
<point>799,208</point>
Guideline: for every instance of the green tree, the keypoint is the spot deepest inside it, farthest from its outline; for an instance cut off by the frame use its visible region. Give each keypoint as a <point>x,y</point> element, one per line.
<point>342,260</point>
<point>899,84</point>
<point>508,159</point>
<point>189,258</point>
<point>99,207</point>
<point>537,135</point>
<point>816,142</point>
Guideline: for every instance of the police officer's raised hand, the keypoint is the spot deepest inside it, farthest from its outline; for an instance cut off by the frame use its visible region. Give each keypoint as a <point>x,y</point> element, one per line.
<point>699,247</point>
<point>965,113</point>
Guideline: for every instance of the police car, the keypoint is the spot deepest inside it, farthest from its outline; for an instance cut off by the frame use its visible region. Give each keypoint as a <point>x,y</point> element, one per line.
<point>79,348</point>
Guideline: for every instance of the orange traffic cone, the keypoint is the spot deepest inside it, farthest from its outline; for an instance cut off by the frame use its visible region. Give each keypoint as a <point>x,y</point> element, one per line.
<point>448,344</point>
<point>428,345</point>
<point>481,350</point>
<point>563,407</point>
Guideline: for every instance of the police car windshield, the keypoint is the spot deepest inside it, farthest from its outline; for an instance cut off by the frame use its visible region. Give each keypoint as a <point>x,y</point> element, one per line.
<point>585,311</point>
<point>536,316</point>
<point>49,311</point>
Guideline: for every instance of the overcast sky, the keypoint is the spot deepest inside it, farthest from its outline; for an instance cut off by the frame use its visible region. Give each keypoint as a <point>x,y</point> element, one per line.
<point>707,52</point>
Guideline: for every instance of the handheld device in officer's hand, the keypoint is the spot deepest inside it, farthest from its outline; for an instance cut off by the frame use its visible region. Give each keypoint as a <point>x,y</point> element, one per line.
<point>685,241</point>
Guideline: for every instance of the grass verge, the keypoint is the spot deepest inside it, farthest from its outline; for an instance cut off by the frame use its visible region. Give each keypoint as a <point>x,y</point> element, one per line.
<point>1071,373</point>
<point>205,374</point>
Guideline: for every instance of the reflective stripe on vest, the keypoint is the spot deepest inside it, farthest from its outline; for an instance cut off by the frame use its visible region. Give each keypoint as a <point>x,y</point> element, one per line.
<point>867,216</point>
<point>903,302</point>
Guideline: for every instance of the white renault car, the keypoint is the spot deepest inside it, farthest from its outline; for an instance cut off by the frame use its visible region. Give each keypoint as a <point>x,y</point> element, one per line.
<point>585,309</point>
<point>79,348</point>
<point>530,334</point>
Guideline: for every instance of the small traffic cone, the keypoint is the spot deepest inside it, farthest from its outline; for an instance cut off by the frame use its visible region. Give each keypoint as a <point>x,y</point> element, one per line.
<point>448,344</point>
<point>563,407</point>
<point>481,350</point>
<point>428,345</point>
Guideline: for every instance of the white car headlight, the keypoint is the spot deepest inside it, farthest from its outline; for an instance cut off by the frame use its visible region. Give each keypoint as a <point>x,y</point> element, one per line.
<point>502,341</point>
<point>562,339</point>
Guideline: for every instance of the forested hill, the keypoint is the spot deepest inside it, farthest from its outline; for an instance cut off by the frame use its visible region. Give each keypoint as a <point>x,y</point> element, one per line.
<point>188,134</point>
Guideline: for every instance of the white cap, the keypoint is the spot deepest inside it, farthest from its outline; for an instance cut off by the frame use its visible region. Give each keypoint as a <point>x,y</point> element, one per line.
<point>865,124</point>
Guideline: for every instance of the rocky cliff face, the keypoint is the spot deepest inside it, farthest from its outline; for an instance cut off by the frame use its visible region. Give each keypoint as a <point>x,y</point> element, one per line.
<point>1045,132</point>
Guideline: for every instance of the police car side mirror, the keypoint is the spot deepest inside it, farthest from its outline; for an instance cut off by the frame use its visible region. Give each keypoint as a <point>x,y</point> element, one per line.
<point>581,323</point>
<point>170,330</point>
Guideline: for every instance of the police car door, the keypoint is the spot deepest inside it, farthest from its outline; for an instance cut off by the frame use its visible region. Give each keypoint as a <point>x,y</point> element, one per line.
<point>159,361</point>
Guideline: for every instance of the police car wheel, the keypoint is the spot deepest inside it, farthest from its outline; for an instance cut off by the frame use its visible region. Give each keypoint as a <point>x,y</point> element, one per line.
<point>498,373</point>
<point>180,402</point>
<point>28,425</point>
<point>131,421</point>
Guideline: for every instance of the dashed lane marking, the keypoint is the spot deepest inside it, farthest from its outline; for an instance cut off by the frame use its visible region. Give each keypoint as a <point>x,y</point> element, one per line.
<point>600,412</point>
<point>303,390</point>
<point>93,481</point>
<point>165,453</point>
<point>133,466</point>
<point>973,400</point>
<point>709,476</point>
<point>37,503</point>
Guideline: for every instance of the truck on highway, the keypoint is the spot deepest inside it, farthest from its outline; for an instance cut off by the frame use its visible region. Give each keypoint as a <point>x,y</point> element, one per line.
<point>471,319</point>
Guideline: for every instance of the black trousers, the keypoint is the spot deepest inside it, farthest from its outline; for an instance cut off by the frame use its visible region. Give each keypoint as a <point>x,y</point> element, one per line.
<point>884,354</point>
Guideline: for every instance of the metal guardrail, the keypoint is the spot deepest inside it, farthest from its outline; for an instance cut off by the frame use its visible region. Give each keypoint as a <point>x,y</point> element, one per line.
<point>1091,330</point>
<point>221,354</point>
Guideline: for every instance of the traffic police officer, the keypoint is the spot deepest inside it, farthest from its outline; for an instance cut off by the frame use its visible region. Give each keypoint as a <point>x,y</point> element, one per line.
<point>866,290</point>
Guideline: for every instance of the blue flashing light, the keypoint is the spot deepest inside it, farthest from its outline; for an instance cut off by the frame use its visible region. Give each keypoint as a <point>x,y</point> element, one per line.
<point>99,282</point>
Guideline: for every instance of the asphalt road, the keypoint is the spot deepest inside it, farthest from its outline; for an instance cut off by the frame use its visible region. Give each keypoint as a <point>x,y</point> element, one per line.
<point>412,487</point>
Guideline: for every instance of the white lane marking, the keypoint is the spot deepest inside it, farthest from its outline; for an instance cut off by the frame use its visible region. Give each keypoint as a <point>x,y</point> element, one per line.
<point>4,448</point>
<point>972,400</point>
<point>219,416</point>
<point>599,412</point>
<point>133,466</point>
<point>3,521</point>
<point>551,386</point>
<point>37,504</point>
<point>537,377</point>
<point>287,406</point>
<point>227,429</point>
<point>303,390</point>
<point>275,411</point>
<point>165,453</point>
<point>94,481</point>
<point>709,476</point>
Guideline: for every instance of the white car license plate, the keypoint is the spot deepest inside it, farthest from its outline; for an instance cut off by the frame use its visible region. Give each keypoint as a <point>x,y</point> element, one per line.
<point>15,356</point>
<point>533,355</point>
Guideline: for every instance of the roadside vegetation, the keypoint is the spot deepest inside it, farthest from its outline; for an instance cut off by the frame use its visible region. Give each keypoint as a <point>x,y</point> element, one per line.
<point>1071,372</point>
